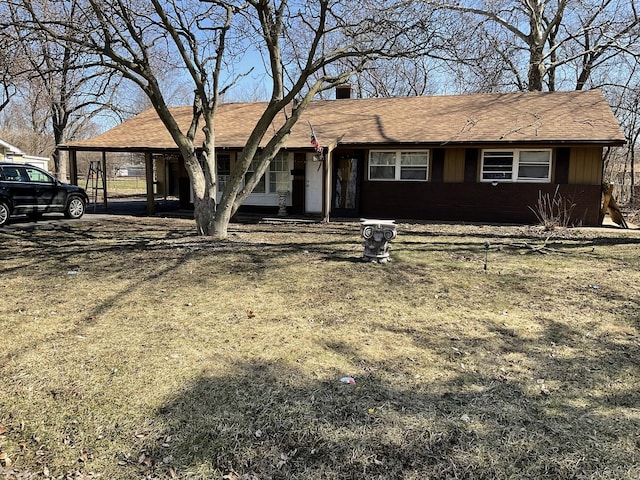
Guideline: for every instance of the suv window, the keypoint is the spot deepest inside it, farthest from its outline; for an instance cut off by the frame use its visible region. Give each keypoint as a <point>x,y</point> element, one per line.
<point>38,176</point>
<point>13,174</point>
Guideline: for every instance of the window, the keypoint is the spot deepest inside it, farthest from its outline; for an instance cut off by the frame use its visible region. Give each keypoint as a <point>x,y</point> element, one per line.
<point>14,174</point>
<point>279,174</point>
<point>497,166</point>
<point>38,176</point>
<point>224,170</point>
<point>534,165</point>
<point>413,165</point>
<point>409,165</point>
<point>276,178</point>
<point>516,166</point>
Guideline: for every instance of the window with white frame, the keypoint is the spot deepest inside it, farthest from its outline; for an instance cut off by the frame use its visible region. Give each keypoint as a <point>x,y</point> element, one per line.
<point>276,178</point>
<point>279,174</point>
<point>406,165</point>
<point>516,165</point>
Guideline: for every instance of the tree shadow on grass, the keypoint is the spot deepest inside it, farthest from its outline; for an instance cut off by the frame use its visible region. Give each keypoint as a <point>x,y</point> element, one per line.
<point>271,420</point>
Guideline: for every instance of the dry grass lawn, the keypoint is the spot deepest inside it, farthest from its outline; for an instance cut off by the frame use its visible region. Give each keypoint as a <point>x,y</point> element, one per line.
<point>131,348</point>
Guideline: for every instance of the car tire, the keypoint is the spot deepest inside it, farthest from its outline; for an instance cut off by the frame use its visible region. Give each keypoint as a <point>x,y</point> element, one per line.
<point>75,208</point>
<point>4,213</point>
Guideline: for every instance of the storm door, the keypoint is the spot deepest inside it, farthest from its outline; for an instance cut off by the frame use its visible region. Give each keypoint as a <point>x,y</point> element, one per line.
<point>298,183</point>
<point>347,176</point>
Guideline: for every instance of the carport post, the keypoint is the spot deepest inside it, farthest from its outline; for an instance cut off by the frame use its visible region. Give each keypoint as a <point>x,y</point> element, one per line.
<point>104,179</point>
<point>73,167</point>
<point>148,162</point>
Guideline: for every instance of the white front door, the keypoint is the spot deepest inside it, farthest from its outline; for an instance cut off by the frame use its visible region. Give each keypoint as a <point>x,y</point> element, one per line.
<point>313,186</point>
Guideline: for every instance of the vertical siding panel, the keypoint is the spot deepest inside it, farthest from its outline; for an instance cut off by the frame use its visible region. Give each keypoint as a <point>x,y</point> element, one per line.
<point>599,164</point>
<point>581,173</point>
<point>576,165</point>
<point>454,165</point>
<point>586,166</point>
<point>596,171</point>
<point>593,167</point>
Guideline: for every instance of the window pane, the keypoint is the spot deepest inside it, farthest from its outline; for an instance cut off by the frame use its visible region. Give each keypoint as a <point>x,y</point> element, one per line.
<point>38,176</point>
<point>413,173</point>
<point>533,171</point>
<point>541,156</point>
<point>278,182</point>
<point>279,174</point>
<point>413,165</point>
<point>382,173</point>
<point>414,158</point>
<point>382,166</point>
<point>224,170</point>
<point>534,165</point>
<point>497,166</point>
<point>383,158</point>
<point>224,164</point>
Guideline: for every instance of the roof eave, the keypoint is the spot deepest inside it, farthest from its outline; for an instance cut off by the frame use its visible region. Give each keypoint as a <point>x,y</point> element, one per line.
<point>466,143</point>
<point>430,144</point>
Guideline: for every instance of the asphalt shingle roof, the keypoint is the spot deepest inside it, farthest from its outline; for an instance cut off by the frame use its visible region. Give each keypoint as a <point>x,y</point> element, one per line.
<point>540,117</point>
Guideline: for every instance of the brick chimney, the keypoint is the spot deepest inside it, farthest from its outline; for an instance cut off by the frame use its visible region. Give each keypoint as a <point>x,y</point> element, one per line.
<point>343,91</point>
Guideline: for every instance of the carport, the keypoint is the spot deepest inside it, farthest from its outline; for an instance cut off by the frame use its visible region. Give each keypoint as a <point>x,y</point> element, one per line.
<point>157,170</point>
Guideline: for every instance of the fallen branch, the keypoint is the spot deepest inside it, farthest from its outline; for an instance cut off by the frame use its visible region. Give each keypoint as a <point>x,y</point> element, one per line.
<point>528,248</point>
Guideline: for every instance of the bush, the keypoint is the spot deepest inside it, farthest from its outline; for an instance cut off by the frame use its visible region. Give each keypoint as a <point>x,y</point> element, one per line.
<point>553,211</point>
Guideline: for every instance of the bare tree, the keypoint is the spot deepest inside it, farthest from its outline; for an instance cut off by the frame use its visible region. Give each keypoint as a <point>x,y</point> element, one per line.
<point>545,45</point>
<point>300,41</point>
<point>9,60</point>
<point>398,77</point>
<point>559,43</point>
<point>620,166</point>
<point>65,95</point>
<point>7,83</point>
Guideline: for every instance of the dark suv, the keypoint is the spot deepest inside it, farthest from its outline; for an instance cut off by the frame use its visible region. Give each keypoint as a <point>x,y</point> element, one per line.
<point>25,189</point>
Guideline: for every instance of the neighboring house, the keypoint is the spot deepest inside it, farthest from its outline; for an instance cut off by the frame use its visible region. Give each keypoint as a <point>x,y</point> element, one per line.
<point>130,171</point>
<point>9,153</point>
<point>480,158</point>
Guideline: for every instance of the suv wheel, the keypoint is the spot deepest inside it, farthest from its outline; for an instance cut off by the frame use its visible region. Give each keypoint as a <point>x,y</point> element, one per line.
<point>4,213</point>
<point>75,208</point>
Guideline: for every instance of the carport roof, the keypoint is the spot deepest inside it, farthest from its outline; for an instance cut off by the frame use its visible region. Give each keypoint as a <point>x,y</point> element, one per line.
<point>573,117</point>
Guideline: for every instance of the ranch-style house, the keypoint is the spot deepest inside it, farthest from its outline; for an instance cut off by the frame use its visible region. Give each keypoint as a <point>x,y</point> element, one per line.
<point>475,158</point>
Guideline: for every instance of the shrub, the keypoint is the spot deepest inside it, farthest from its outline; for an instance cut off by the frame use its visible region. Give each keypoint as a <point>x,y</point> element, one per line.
<point>553,211</point>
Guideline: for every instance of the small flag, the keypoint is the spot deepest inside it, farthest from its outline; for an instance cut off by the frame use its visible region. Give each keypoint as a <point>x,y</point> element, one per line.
<point>315,143</point>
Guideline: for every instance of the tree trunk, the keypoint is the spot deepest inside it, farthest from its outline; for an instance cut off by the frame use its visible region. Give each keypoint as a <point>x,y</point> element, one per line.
<point>204,213</point>
<point>57,164</point>
<point>58,135</point>
<point>536,40</point>
<point>537,68</point>
<point>221,223</point>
